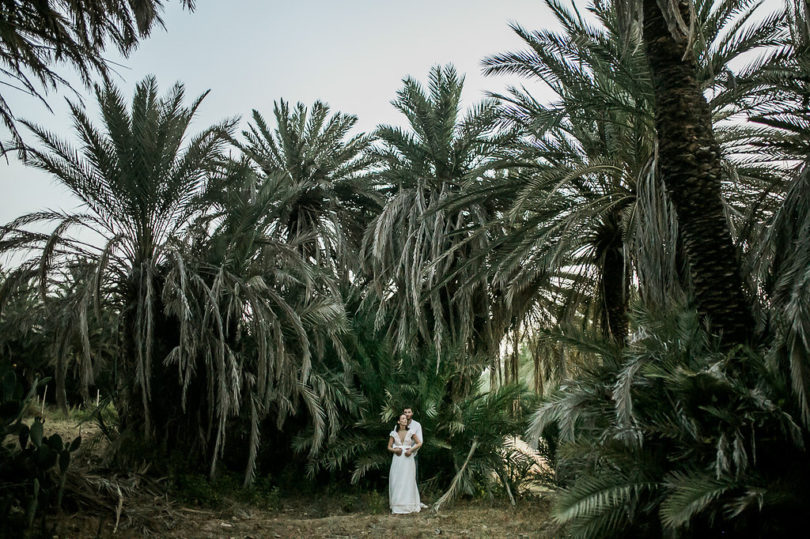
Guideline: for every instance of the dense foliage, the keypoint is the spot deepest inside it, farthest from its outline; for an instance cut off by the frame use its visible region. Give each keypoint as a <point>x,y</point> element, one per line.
<point>267,302</point>
<point>32,474</point>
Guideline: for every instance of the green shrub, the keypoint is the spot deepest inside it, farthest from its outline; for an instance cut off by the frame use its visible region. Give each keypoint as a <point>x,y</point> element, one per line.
<point>674,436</point>
<point>456,414</point>
<point>33,467</point>
<point>197,490</point>
<point>263,494</point>
<point>376,502</point>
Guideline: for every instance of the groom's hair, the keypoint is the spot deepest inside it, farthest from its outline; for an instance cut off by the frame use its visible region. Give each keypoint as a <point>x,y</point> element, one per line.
<point>407,408</point>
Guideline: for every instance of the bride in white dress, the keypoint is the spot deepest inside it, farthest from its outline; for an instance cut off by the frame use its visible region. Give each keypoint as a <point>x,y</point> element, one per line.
<point>403,495</point>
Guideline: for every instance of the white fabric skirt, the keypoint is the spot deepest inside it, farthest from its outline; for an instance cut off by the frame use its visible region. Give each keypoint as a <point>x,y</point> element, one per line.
<point>403,495</point>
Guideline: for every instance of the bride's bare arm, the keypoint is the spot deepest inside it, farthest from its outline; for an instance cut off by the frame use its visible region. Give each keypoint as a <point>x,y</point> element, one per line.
<point>391,448</point>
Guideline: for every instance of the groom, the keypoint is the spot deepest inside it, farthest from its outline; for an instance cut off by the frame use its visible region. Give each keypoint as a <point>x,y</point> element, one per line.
<point>413,425</point>
<point>416,428</point>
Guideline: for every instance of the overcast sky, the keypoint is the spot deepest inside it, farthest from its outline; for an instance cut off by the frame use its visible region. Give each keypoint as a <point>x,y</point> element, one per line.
<point>352,54</point>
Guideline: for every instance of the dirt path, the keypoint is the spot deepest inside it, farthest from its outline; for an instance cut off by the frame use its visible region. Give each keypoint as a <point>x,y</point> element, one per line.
<point>464,519</point>
<point>461,521</point>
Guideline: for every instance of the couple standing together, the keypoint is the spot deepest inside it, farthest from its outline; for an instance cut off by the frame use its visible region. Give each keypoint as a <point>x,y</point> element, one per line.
<point>404,441</point>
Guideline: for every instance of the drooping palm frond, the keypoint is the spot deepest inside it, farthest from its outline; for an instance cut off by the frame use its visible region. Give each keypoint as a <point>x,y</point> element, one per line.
<point>601,505</point>
<point>673,433</point>
<point>692,493</point>
<point>416,249</point>
<point>140,179</point>
<point>323,173</point>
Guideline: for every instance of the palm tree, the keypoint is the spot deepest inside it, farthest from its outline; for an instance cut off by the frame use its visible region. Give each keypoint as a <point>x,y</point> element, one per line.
<point>38,37</point>
<point>690,165</point>
<point>591,197</point>
<point>587,157</point>
<point>416,250</point>
<point>139,180</point>
<point>632,466</point>
<point>256,314</point>
<point>323,175</point>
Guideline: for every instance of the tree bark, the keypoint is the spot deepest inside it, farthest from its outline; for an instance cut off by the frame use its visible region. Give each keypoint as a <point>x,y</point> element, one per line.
<point>689,160</point>
<point>59,375</point>
<point>615,281</point>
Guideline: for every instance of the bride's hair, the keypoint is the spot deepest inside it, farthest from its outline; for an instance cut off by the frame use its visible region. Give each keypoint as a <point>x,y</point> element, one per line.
<point>396,425</point>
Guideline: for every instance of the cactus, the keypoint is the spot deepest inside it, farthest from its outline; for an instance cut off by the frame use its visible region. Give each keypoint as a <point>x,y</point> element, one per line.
<point>33,473</point>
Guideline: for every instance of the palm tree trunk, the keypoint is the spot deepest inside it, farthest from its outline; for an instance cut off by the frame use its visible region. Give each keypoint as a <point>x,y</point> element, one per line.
<point>689,159</point>
<point>60,375</point>
<point>616,291</point>
<point>615,279</point>
<point>514,364</point>
<point>539,388</point>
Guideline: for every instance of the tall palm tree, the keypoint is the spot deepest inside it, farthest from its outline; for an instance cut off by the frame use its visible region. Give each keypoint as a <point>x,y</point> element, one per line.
<point>322,172</point>
<point>416,249</point>
<point>255,316</point>
<point>690,164</point>
<point>139,178</point>
<point>592,198</point>
<point>626,475</point>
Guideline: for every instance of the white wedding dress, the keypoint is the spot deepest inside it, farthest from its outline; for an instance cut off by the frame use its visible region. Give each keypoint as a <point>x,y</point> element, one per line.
<point>403,495</point>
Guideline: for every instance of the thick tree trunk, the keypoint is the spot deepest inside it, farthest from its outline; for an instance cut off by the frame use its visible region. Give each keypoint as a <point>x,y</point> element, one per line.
<point>616,285</point>
<point>60,375</point>
<point>689,159</point>
<point>157,427</point>
<point>615,281</point>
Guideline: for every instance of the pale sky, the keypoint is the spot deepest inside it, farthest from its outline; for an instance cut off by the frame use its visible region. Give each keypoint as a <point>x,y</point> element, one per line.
<point>352,54</point>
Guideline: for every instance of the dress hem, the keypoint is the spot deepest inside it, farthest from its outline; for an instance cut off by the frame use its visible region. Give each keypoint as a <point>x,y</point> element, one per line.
<point>404,509</point>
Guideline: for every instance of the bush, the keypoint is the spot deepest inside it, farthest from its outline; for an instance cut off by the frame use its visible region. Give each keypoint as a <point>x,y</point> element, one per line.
<point>33,467</point>
<point>673,436</point>
<point>197,489</point>
<point>448,400</point>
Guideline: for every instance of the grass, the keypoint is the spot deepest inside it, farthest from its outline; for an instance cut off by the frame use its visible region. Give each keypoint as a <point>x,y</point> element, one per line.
<point>301,517</point>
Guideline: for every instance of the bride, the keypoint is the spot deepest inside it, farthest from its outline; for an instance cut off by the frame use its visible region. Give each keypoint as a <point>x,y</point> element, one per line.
<point>403,495</point>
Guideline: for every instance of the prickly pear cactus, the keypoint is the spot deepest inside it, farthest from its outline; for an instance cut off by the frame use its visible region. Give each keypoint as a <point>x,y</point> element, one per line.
<point>33,467</point>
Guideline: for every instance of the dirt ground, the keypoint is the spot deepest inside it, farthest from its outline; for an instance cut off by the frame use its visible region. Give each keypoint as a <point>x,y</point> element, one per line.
<point>460,520</point>
<point>145,511</point>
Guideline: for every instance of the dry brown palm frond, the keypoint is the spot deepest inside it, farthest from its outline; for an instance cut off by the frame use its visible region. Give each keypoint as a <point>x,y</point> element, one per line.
<point>135,501</point>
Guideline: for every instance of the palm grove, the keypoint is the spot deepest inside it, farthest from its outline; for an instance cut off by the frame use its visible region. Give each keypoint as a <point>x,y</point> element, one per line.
<point>619,274</point>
